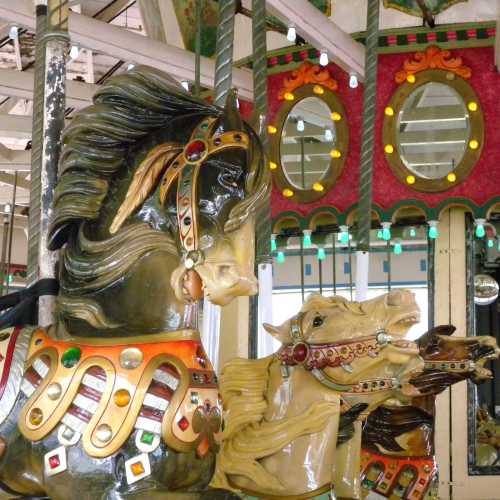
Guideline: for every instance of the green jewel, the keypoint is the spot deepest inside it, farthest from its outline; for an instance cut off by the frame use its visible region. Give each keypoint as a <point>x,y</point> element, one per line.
<point>147,437</point>
<point>71,357</point>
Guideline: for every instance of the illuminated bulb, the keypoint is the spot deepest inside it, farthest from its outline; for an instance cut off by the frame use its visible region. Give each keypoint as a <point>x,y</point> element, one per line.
<point>344,235</point>
<point>490,243</point>
<point>410,78</point>
<point>318,89</point>
<point>328,135</point>
<point>335,153</point>
<point>480,231</point>
<point>272,165</point>
<point>389,149</point>
<point>473,144</point>
<point>472,106</point>
<point>273,243</point>
<point>289,96</point>
<point>413,232</point>
<point>237,103</point>
<point>307,238</point>
<point>323,58</point>
<point>291,34</point>
<point>318,187</point>
<point>185,84</point>
<point>389,111</point>
<point>353,81</point>
<point>13,32</point>
<point>7,208</point>
<point>300,125</point>
<point>287,193</point>
<point>73,53</point>
<point>130,66</point>
<point>433,230</point>
<point>336,116</point>
<point>451,177</point>
<point>379,234</point>
<point>272,129</point>
<point>321,254</point>
<point>410,179</point>
<point>280,257</point>
<point>386,231</point>
<point>398,248</point>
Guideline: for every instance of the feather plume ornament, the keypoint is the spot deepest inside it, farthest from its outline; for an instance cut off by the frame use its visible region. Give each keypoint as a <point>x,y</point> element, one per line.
<point>144,181</point>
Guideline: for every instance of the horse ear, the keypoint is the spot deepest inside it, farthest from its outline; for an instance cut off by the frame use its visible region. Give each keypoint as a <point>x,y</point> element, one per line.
<point>278,332</point>
<point>231,119</point>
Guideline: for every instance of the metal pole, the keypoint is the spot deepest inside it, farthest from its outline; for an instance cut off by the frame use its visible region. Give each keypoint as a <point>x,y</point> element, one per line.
<point>197,47</point>
<point>334,270</point>
<point>366,165</point>
<point>320,273</point>
<point>48,121</point>
<point>350,267</point>
<point>389,278</point>
<point>302,270</point>
<point>302,167</point>
<point>224,50</point>
<point>12,213</point>
<point>5,238</point>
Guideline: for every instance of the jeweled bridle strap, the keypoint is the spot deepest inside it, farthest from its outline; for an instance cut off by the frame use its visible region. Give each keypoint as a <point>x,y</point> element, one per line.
<point>204,142</point>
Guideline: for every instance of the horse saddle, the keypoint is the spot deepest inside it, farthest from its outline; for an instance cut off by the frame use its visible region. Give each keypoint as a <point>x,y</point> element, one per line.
<point>100,390</point>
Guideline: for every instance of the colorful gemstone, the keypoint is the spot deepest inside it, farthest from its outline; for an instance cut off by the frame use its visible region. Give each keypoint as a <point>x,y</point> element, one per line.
<point>104,433</point>
<point>54,391</point>
<point>71,357</point>
<point>131,358</point>
<point>122,398</point>
<point>36,416</point>
<point>147,437</point>
<point>194,398</point>
<point>299,353</point>
<point>54,461</point>
<point>195,151</point>
<point>183,424</point>
<point>137,469</point>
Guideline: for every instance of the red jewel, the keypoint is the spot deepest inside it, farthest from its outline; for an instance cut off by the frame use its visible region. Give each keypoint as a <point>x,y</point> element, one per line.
<point>300,352</point>
<point>54,462</point>
<point>183,423</point>
<point>195,151</point>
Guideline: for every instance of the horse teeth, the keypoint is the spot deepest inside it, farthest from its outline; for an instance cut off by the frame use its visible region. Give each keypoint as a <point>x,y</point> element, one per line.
<point>372,354</point>
<point>347,368</point>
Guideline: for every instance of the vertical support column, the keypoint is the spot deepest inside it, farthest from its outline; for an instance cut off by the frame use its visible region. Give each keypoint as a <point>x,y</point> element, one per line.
<point>366,167</point>
<point>48,121</point>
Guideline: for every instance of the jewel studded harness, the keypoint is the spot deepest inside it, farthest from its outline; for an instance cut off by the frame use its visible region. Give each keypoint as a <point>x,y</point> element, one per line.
<point>204,142</point>
<point>316,357</point>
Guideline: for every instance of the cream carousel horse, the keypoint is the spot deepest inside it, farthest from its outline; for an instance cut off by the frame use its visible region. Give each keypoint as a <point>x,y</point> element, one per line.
<point>283,411</point>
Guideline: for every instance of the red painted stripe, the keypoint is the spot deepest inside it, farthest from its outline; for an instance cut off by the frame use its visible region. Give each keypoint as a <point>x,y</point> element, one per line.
<point>80,413</point>
<point>90,393</point>
<point>8,360</point>
<point>160,390</point>
<point>32,376</point>
<point>97,372</point>
<point>151,413</point>
<point>169,369</point>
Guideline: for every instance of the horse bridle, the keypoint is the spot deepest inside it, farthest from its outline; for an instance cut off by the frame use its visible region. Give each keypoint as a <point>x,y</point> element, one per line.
<point>202,144</point>
<point>316,357</point>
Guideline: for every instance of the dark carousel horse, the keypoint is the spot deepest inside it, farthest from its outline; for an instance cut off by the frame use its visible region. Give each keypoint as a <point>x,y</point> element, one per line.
<point>154,208</point>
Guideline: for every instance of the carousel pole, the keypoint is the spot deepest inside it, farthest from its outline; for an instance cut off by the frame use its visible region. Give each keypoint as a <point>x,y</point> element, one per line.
<point>48,121</point>
<point>366,166</point>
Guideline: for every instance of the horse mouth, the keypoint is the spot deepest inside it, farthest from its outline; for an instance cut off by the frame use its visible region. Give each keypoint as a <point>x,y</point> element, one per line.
<point>404,322</point>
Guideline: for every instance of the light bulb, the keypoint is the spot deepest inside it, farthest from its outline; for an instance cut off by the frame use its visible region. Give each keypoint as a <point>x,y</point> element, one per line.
<point>307,238</point>
<point>13,32</point>
<point>353,81</point>
<point>273,243</point>
<point>323,58</point>
<point>490,243</point>
<point>300,125</point>
<point>321,253</point>
<point>379,234</point>
<point>344,235</point>
<point>386,231</point>
<point>398,248</point>
<point>480,231</point>
<point>281,257</point>
<point>413,232</point>
<point>130,66</point>
<point>291,34</point>
<point>73,53</point>
<point>433,230</point>
<point>185,84</point>
<point>328,135</point>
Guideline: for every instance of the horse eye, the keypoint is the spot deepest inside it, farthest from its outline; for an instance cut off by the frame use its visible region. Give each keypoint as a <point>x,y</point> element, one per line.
<point>317,321</point>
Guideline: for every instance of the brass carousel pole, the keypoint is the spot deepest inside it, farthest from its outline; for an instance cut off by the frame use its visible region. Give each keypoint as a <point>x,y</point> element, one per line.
<point>366,166</point>
<point>48,121</point>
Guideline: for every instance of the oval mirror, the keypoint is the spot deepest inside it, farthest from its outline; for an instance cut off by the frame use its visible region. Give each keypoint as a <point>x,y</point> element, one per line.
<point>307,139</point>
<point>308,143</point>
<point>433,130</point>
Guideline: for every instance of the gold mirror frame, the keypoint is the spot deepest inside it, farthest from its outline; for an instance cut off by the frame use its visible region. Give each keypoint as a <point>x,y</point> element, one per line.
<point>476,138</point>
<point>327,181</point>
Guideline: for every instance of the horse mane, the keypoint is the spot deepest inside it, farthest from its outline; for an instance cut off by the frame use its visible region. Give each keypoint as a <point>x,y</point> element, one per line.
<point>315,301</point>
<point>248,437</point>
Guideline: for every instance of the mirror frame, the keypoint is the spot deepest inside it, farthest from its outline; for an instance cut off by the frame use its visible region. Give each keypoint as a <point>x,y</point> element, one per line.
<point>333,172</point>
<point>390,138</point>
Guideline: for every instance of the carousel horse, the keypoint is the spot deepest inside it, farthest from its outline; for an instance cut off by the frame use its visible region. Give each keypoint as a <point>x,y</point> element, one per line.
<point>154,208</point>
<point>283,412</point>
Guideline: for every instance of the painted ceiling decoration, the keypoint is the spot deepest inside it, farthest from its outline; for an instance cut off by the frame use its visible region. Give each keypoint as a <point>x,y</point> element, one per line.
<point>415,7</point>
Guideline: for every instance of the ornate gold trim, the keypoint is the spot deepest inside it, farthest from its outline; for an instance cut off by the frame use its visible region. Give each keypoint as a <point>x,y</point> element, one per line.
<point>307,73</point>
<point>433,58</point>
<point>389,131</point>
<point>264,496</point>
<point>336,164</point>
